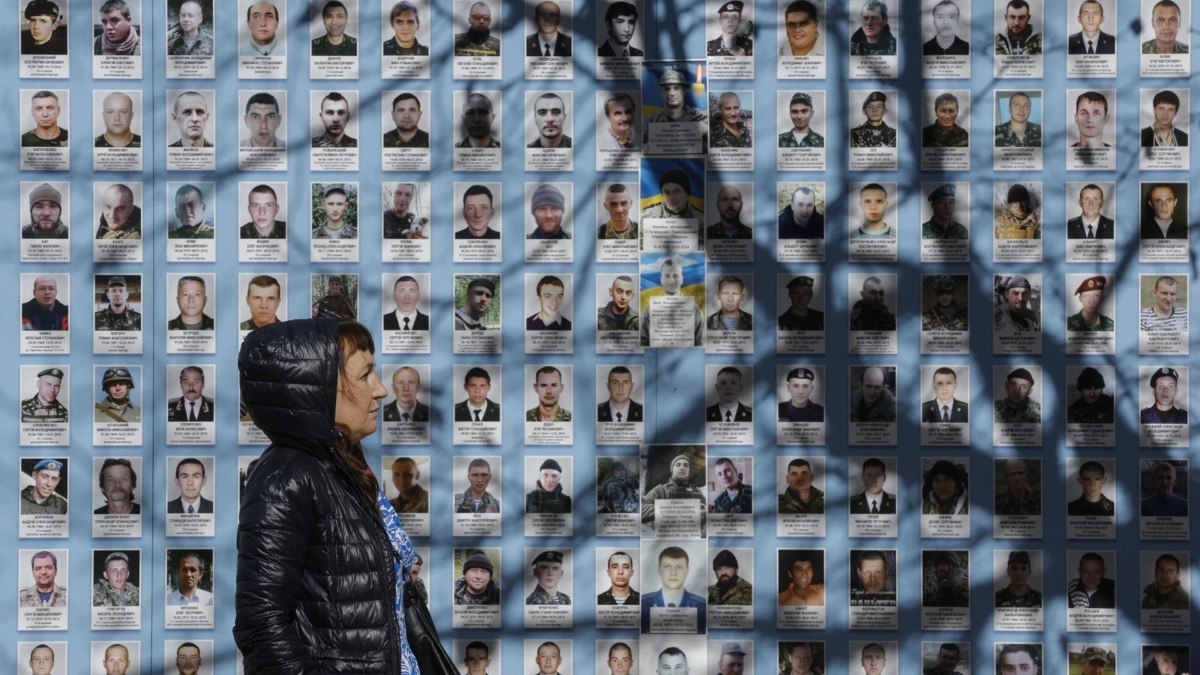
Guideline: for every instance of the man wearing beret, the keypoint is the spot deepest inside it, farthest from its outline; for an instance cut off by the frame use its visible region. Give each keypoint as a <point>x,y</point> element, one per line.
<point>673,83</point>
<point>1090,223</point>
<point>941,223</point>
<point>1019,220</point>
<point>45,215</point>
<point>116,406</point>
<point>730,588</point>
<point>946,314</point>
<point>1017,407</point>
<point>799,316</point>
<point>43,36</point>
<point>875,37</point>
<point>42,496</point>
<point>547,207</point>
<point>476,585</point>
<point>1093,406</point>
<point>1016,313</point>
<point>729,42</point>
<point>44,406</point>
<point>118,315</point>
<point>800,407</point>
<point>548,570</point>
<point>547,496</point>
<point>801,135</point>
<point>1018,592</point>
<point>874,132</point>
<point>1165,385</point>
<point>44,311</point>
<point>113,588</point>
<point>1089,318</point>
<point>944,407</point>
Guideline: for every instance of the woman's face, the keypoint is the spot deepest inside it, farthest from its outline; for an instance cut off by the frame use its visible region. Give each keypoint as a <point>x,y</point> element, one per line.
<point>359,389</point>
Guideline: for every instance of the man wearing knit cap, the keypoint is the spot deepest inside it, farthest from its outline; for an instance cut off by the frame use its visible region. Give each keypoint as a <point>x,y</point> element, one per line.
<point>677,486</point>
<point>730,589</point>
<point>1093,406</point>
<point>874,132</point>
<point>45,214</point>
<point>547,496</point>
<point>43,496</point>
<point>548,570</point>
<point>732,41</point>
<point>676,189</point>
<point>44,311</point>
<point>1019,219</point>
<point>1017,407</point>
<point>548,205</point>
<point>1165,385</point>
<point>476,585</point>
<point>1015,313</point>
<point>1090,293</point>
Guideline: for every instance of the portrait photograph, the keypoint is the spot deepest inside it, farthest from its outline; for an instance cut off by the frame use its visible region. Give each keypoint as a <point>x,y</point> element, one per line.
<point>1163,395</point>
<point>42,655</point>
<point>191,119</point>
<point>334,221</point>
<point>332,31</point>
<point>800,577</point>
<point>1163,314</point>
<point>44,141</point>
<point>678,568</point>
<point>44,489</point>
<point>117,396</point>
<point>801,32</point>
<point>406,130</point>
<point>334,296</point>
<point>42,591</point>
<point>476,48</point>
<point>1017,139</point>
<point>1017,487</point>
<point>264,119</point>
<point>1020,30</point>
<point>46,224</point>
<point>45,319</point>
<point>674,109</point>
<point>549,28</point>
<point>262,32</point>
<point>409,392</point>
<point>406,215</point>
<point>190,34</point>
<point>479,116</point>
<point>191,217</point>
<point>549,393</point>
<point>43,29</point>
<point>549,302</point>
<point>333,122</point>
<point>115,485</point>
<point>946,32</point>
<point>1090,397</point>
<point>873,223</point>
<point>191,484</point>
<point>875,31</point>
<point>1166,590</point>
<point>1164,44</point>
<point>116,124</point>
<point>116,577</point>
<point>1163,659</point>
<point>731,128</point>
<point>188,654</point>
<point>1164,488</point>
<point>800,125</point>
<point>1161,114</point>
<point>188,304</point>
<point>265,299</point>
<point>121,656</point>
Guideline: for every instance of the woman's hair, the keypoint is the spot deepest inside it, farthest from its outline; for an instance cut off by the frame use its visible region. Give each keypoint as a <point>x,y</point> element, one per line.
<point>353,337</point>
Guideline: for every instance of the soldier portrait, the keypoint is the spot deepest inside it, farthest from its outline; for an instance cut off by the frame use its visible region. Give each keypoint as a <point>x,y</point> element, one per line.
<point>948,21</point>
<point>116,478</point>
<point>118,34</point>
<point>480,123</point>
<point>191,298</point>
<point>802,30</point>
<point>335,211</point>
<point>43,28</point>
<point>619,568</point>
<point>1167,387</point>
<point>802,658</point>
<point>548,494</point>
<point>672,477</point>
<point>43,488</point>
<point>335,119</point>
<point>801,578</point>
<point>1091,294</point>
<point>43,406</point>
<point>730,493</point>
<point>617,485</point>
<point>802,494</point>
<point>732,294</point>
<point>944,302</point>
<point>117,576</point>
<point>473,300</point>
<point>408,215</point>
<point>1020,33</point>
<point>1166,659</point>
<point>945,132</point>
<point>120,215</point>
<point>943,220</point>
<point>620,110</point>
<point>945,579</point>
<point>732,581</point>
<point>870,311</point>
<point>1091,39</point>
<point>1018,403</point>
<point>404,19</point>
<point>265,300</point>
<point>406,116</point>
<point>477,39</point>
<point>735,25</point>
<point>39,586</point>
<point>190,114</point>
<point>1091,404</point>
<point>190,28</point>
<point>674,85</point>
<point>1017,210</point>
<point>189,217</point>
<point>117,296</point>
<point>872,576</point>
<point>550,572</point>
<point>800,113</point>
<point>874,35</point>
<point>945,407</point>
<point>1167,20</point>
<point>550,210</point>
<point>263,120</point>
<point>873,499</point>
<point>549,38</point>
<point>730,126</point>
<point>803,211</point>
<point>620,385</point>
<point>116,401</point>
<point>1170,584</point>
<point>334,296</point>
<point>1017,484</point>
<point>551,393</point>
<point>548,119</point>
<point>1091,223</point>
<point>1091,477</point>
<point>800,315</point>
<point>1018,116</point>
<point>874,131</point>
<point>1167,309</point>
<point>267,209</point>
<point>1091,118</point>
<point>116,120</point>
<point>1023,569</point>
<point>729,387</point>
<point>869,217</point>
<point>45,108</point>
<point>1016,301</point>
<point>336,18</point>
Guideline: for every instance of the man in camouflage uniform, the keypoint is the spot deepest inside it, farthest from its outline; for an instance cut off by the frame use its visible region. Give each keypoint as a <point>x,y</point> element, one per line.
<point>42,497</point>
<point>549,386</point>
<point>1018,37</point>
<point>874,37</point>
<point>941,224</point>
<point>621,311</point>
<point>1018,593</point>
<point>1018,131</point>
<point>945,132</point>
<point>478,40</point>
<point>945,584</point>
<point>1094,406</point>
<point>672,83</point>
<point>947,661</point>
<point>873,133</point>
<point>120,218</point>
<point>476,498</point>
<point>335,225</point>
<point>618,494</point>
<point>676,487</point>
<point>548,570</point>
<point>45,575</point>
<point>1019,220</point>
<point>334,42</point>
<point>476,585</point>
<point>729,130</point>
<point>730,589</point>
<point>44,406</point>
<point>334,304</point>
<point>1019,499</point>
<point>116,406</point>
<point>1015,313</point>
<point>1165,19</point>
<point>335,116</point>
<point>114,590</point>
<point>1089,318</point>
<point>1165,592</point>
<point>735,496</point>
<point>730,42</point>
<point>799,316</point>
<point>801,496</point>
<point>801,111</point>
<point>947,314</point>
<point>870,312</point>
<point>676,189</point>
<point>547,495</point>
<point>1017,407</point>
<point>118,315</point>
<point>1092,501</point>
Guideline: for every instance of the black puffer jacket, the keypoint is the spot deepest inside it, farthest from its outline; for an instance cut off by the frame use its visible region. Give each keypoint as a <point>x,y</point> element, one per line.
<point>315,582</point>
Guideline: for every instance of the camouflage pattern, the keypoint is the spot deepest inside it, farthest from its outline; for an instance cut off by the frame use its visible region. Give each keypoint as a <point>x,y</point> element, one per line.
<point>1006,138</point>
<point>466,143</point>
<point>465,504</point>
<point>541,596</point>
<point>953,318</point>
<point>812,140</point>
<point>323,47</point>
<point>717,48</point>
<point>740,593</point>
<point>721,137</point>
<point>937,136</point>
<point>28,597</point>
<point>206,323</point>
<point>54,504</point>
<point>541,500</point>
<point>32,410</point>
<point>814,320</point>
<point>345,142</point>
<point>1005,321</point>
<point>742,503</point>
<point>867,136</point>
<point>607,320</point>
<point>563,415</point>
<point>104,595</point>
<point>464,46</point>
<point>956,230</point>
<point>335,306</point>
<point>130,319</point>
<point>346,231</point>
<point>489,596</point>
<point>1151,47</point>
<point>862,317</point>
<point>1030,413</point>
<point>1009,505</point>
<point>419,503</point>
<point>619,496</point>
<point>660,210</point>
<point>606,231</point>
<point>953,591</point>
<point>1031,45</point>
<point>1176,599</point>
<point>107,411</point>
<point>1006,598</point>
<point>1075,322</point>
<point>1009,226</point>
<point>1100,412</point>
<point>789,502</point>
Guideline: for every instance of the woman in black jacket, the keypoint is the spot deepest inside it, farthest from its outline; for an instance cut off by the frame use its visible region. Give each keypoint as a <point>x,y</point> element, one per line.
<point>321,554</point>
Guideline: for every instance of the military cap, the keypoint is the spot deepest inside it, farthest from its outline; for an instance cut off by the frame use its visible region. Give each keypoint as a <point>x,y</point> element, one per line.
<point>47,465</point>
<point>725,559</point>
<point>417,559</point>
<point>732,648</point>
<point>114,375</point>
<point>618,466</point>
<point>800,281</point>
<point>947,190</point>
<point>944,284</point>
<point>1095,654</point>
<point>672,77</point>
<point>41,8</point>
<point>52,372</point>
<point>45,193</point>
<point>116,280</point>
<point>548,557</point>
<point>546,195</point>
<point>115,555</point>
<point>1095,283</point>
<point>551,464</point>
<point>801,374</point>
<point>486,283</point>
<point>334,277</point>
<point>1018,281</point>
<point>478,559</point>
<point>1018,193</point>
<point>1021,374</point>
<point>1089,378</point>
<point>1165,371</point>
<point>1018,556</point>
<point>801,97</point>
<point>731,6</point>
<point>875,96</point>
<point>676,176</point>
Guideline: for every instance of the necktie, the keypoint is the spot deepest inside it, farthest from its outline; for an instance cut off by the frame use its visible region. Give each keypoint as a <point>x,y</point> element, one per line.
<point>1090,50</point>
<point>406,326</point>
<point>547,50</point>
<point>407,417</point>
<point>191,509</point>
<point>192,411</point>
<point>874,506</point>
<point>1091,235</point>
<point>618,417</point>
<point>728,416</point>
<point>477,416</point>
<point>945,413</point>
<point>625,52</point>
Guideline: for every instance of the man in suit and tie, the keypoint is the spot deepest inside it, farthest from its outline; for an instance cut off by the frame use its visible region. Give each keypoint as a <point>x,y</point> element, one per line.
<point>405,293</point>
<point>873,499</point>
<point>620,19</point>
<point>1091,40</point>
<point>619,407</point>
<point>547,41</point>
<point>478,407</point>
<point>1090,223</point>
<point>406,382</point>
<point>193,405</point>
<point>190,477</point>
<point>944,407</point>
<point>729,389</point>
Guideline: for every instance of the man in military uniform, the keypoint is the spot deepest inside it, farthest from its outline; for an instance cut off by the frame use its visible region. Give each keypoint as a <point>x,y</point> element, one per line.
<point>875,132</point>
<point>1164,383</point>
<point>1092,501</point>
<point>1091,589</point>
<point>478,40</point>
<point>801,135</point>
<point>871,401</point>
<point>873,498</point>
<point>191,297</point>
<point>547,495</point>
<point>1015,312</point>
<point>734,496</point>
<point>44,406</point>
<point>477,120</point>
<point>676,190</point>
<point>730,589</point>
<point>621,312</point>
<point>548,40</point>
<point>730,42</point>
<point>548,570</point>
<point>1019,37</point>
<point>941,223</point>
<point>1019,220</point>
<point>404,42</point>
<point>875,37</point>
<point>944,407</point>
<point>1091,40</point>
<point>1166,592</point>
<point>869,312</point>
<point>113,588</point>
<point>117,109</point>
<point>801,496</point>
<point>730,293</point>
<point>45,214</point>
<point>1017,407</point>
<point>672,83</point>
<point>1019,499</point>
<point>118,315</point>
<point>42,497</point>
<point>334,42</point>
<point>406,115</point>
<point>728,407</point>
<point>733,659</point>
<point>193,405</point>
<point>476,498</point>
<point>476,585</point>
<point>799,316</point>
<point>945,584</point>
<point>45,109</point>
<point>1018,131</point>
<point>190,221</point>
<point>620,571</point>
<point>677,486</point>
<point>190,39</point>
<point>800,407</point>
<point>946,314</point>
<point>43,36</point>
<point>43,311</point>
<point>671,278</point>
<point>729,130</point>
<point>190,113</point>
<point>333,221</point>
<point>335,117</point>
<point>1089,318</point>
<point>263,205</point>
<point>1090,223</point>
<point>947,661</point>
<point>730,226</point>
<point>1165,19</point>
<point>400,222</point>
<point>1018,593</point>
<point>334,304</point>
<point>618,200</point>
<point>116,406</point>
<point>548,386</point>
<point>120,218</point>
<point>618,493</point>
<point>45,591</point>
<point>873,204</point>
<point>945,132</point>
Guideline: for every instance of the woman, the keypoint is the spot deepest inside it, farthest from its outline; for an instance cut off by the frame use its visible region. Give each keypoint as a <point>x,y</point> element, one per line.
<point>321,554</point>
<point>945,490</point>
<point>945,132</point>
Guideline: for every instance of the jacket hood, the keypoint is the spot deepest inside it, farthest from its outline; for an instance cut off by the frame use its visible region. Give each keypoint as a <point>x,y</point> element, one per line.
<point>288,373</point>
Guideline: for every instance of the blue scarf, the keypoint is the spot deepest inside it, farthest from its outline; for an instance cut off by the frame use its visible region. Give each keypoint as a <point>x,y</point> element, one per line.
<point>404,550</point>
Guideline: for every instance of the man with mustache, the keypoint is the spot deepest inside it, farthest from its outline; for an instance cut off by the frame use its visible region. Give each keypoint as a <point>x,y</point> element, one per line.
<point>193,405</point>
<point>549,116</point>
<point>730,589</point>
